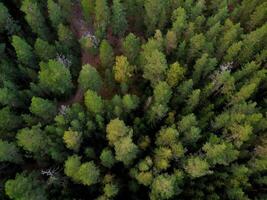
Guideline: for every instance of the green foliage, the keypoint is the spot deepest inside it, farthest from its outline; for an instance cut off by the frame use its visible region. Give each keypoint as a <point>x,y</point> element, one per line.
<point>43,108</point>
<point>55,14</point>
<point>88,173</point>
<point>9,152</point>
<point>221,153</point>
<point>107,158</point>
<point>123,71</point>
<point>32,140</point>
<point>85,173</point>
<point>176,109</point>
<point>65,36</point>
<point>3,17</point>
<point>9,120</point>
<point>44,50</point>
<point>72,166</point>
<point>155,67</point>
<point>131,47</point>
<point>106,54</point>
<point>89,78</point>
<point>196,167</point>
<point>118,21</point>
<point>93,102</point>
<point>175,74</point>
<point>72,140</point>
<point>163,187</point>
<point>153,21</point>
<point>55,77</point>
<point>25,187</point>
<point>35,18</point>
<point>24,51</point>
<point>88,9</point>
<point>102,18</point>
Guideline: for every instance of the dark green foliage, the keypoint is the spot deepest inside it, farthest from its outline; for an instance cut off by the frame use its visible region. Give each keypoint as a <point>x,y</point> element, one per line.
<point>9,152</point>
<point>24,51</point>
<point>44,50</point>
<point>35,18</point>
<point>118,22</point>
<point>133,99</point>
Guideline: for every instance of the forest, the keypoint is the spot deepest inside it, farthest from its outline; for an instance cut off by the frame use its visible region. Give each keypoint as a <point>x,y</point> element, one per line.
<point>133,99</point>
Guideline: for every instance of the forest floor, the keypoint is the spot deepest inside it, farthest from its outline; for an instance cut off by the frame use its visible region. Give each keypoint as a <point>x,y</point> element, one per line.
<point>81,28</point>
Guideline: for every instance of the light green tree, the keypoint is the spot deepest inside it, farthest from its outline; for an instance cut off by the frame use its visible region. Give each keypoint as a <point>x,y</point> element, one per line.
<point>93,102</point>
<point>43,108</point>
<point>89,78</point>
<point>54,77</point>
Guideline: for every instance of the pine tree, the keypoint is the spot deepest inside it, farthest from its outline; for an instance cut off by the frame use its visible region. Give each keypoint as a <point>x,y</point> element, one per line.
<point>24,51</point>
<point>43,108</point>
<point>9,120</point>
<point>106,54</point>
<point>35,18</point>
<point>118,21</point>
<point>93,102</point>
<point>175,74</point>
<point>89,78</point>
<point>88,173</point>
<point>54,77</point>
<point>107,158</point>
<point>102,16</point>
<point>123,71</point>
<point>72,139</point>
<point>131,47</point>
<point>153,21</point>
<point>44,50</point>
<point>155,67</point>
<point>88,7</point>
<point>196,167</point>
<point>179,22</point>
<point>9,152</point>
<point>26,186</point>
<point>32,140</point>
<point>171,41</point>
<point>55,13</point>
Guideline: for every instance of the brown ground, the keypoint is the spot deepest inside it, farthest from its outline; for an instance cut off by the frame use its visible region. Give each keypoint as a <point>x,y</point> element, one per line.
<point>80,28</point>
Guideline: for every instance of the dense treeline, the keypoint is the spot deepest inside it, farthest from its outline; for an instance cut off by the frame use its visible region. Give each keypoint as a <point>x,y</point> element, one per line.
<point>133,99</point>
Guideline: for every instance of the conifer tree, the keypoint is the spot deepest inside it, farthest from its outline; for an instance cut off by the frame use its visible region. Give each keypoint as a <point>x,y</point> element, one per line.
<point>24,51</point>
<point>72,139</point>
<point>123,71</point>
<point>89,78</point>
<point>55,14</point>
<point>118,22</point>
<point>55,77</point>
<point>88,7</point>
<point>35,18</point>
<point>93,102</point>
<point>102,18</point>
<point>26,186</point>
<point>32,140</point>
<point>155,67</point>
<point>43,108</point>
<point>44,50</point>
<point>153,21</point>
<point>131,47</point>
<point>9,152</point>
<point>106,54</point>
